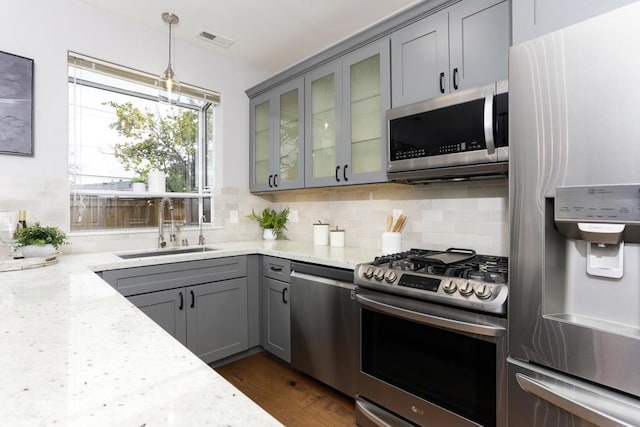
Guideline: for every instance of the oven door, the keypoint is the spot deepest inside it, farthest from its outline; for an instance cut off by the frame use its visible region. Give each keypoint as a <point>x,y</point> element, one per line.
<point>429,364</point>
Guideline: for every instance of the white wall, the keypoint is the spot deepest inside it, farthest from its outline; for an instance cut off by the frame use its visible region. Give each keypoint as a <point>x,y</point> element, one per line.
<point>44,31</point>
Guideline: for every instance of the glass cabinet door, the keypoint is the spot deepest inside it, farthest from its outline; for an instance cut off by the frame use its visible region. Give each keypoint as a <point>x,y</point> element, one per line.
<point>323,109</point>
<point>289,168</point>
<point>367,97</point>
<point>277,138</point>
<point>261,147</point>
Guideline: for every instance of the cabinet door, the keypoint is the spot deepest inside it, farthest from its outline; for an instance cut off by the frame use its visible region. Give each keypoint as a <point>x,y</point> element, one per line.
<point>323,113</point>
<point>366,94</point>
<point>277,327</point>
<point>479,40</point>
<point>217,319</point>
<point>289,143</point>
<point>533,18</point>
<point>167,309</point>
<point>261,125</point>
<point>420,60</point>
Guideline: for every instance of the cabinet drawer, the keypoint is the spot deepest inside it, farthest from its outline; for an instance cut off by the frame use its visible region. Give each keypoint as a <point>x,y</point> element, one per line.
<point>139,280</point>
<point>276,268</point>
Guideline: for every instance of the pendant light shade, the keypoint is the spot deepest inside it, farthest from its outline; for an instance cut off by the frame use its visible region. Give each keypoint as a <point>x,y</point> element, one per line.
<point>169,85</point>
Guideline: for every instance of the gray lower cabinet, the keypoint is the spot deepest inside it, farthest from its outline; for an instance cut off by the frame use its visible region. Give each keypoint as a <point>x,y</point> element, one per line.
<point>276,324</point>
<point>534,18</point>
<point>459,47</point>
<point>203,304</point>
<point>209,319</point>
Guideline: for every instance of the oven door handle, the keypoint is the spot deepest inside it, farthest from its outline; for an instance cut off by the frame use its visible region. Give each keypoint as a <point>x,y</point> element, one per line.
<point>429,319</point>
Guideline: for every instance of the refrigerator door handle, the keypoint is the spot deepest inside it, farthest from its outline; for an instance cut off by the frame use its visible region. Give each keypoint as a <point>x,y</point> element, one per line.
<point>488,124</point>
<point>570,404</point>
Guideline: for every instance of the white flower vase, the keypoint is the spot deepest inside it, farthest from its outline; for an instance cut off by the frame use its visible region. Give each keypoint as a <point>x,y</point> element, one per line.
<point>269,234</point>
<point>32,251</point>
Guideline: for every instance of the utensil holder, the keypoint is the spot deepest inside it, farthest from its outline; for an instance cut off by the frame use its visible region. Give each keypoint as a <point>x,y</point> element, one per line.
<point>391,243</point>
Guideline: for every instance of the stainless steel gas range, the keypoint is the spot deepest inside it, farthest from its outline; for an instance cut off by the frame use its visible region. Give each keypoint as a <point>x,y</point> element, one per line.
<point>432,332</point>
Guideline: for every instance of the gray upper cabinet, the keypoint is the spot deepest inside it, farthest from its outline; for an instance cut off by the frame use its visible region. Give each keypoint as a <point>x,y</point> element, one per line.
<point>277,138</point>
<point>420,60</point>
<point>462,46</point>
<point>533,18</point>
<point>479,39</point>
<point>345,102</point>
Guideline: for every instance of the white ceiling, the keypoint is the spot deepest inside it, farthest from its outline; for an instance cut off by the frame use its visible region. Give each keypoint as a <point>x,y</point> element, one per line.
<point>270,34</point>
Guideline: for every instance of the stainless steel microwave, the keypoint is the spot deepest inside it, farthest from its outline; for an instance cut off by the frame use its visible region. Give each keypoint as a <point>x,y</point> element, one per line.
<point>463,135</point>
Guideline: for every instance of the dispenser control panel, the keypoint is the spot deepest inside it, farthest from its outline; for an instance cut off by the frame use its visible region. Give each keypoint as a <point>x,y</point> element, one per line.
<point>603,203</point>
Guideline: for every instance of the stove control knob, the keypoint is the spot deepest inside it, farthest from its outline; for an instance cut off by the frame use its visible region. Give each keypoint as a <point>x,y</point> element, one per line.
<point>449,286</point>
<point>368,272</point>
<point>482,291</point>
<point>391,276</point>
<point>465,288</point>
<point>378,274</point>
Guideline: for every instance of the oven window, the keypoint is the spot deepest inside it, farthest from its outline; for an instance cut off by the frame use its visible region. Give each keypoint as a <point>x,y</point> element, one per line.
<point>453,371</point>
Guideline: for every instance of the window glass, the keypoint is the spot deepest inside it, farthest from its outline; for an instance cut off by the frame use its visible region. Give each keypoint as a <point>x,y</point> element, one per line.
<point>127,150</point>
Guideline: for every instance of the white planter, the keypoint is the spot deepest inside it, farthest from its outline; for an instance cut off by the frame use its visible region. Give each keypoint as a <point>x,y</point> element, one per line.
<point>269,234</point>
<point>138,187</point>
<point>31,251</point>
<point>157,182</point>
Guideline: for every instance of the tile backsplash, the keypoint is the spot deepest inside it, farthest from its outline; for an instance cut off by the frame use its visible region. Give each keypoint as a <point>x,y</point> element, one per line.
<point>471,215</point>
<point>457,214</point>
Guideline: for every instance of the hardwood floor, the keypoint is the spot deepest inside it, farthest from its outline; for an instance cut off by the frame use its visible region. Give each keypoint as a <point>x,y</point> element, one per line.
<point>291,397</point>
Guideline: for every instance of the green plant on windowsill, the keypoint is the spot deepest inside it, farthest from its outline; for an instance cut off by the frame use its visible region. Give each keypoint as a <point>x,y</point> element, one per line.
<point>270,219</point>
<point>140,179</point>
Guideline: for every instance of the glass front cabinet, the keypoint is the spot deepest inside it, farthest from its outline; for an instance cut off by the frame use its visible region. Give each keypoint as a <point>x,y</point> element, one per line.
<point>277,138</point>
<point>345,129</point>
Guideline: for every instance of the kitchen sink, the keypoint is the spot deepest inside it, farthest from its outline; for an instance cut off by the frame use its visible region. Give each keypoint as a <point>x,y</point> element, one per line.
<point>161,252</point>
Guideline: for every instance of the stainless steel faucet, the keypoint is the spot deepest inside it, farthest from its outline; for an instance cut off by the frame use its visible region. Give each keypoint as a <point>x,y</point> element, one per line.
<point>172,234</point>
<point>201,236</point>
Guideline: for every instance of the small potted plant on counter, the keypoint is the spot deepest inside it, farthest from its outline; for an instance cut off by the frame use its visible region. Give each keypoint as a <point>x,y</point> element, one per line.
<point>38,241</point>
<point>272,222</point>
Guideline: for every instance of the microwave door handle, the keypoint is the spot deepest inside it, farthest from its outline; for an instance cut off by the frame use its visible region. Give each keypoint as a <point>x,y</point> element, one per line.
<point>488,124</point>
<point>570,402</point>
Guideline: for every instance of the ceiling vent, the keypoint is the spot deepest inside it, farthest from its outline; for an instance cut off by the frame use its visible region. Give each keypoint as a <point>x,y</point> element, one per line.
<point>217,39</point>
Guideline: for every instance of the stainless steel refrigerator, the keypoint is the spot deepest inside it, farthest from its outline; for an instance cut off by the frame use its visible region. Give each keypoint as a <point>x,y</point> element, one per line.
<point>574,307</point>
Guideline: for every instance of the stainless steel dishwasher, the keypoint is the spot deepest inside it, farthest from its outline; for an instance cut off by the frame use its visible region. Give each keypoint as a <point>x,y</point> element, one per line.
<point>323,325</point>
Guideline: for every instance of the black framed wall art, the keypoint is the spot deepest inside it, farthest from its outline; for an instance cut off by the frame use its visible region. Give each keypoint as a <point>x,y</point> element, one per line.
<point>16,104</point>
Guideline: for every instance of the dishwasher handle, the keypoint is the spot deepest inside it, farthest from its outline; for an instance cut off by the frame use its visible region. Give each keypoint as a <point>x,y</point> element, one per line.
<point>319,279</point>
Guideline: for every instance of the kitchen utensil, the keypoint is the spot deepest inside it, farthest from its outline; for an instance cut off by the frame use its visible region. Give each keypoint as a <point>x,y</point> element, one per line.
<point>389,222</point>
<point>399,224</point>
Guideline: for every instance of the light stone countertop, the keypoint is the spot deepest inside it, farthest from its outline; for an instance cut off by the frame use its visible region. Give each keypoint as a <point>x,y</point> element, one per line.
<point>73,351</point>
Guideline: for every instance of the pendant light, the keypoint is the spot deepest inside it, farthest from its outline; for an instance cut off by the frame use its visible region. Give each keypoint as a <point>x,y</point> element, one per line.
<point>169,84</point>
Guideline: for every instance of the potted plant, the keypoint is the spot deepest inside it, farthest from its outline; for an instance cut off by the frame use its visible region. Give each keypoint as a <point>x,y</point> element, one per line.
<point>272,222</point>
<point>139,184</point>
<point>37,240</point>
